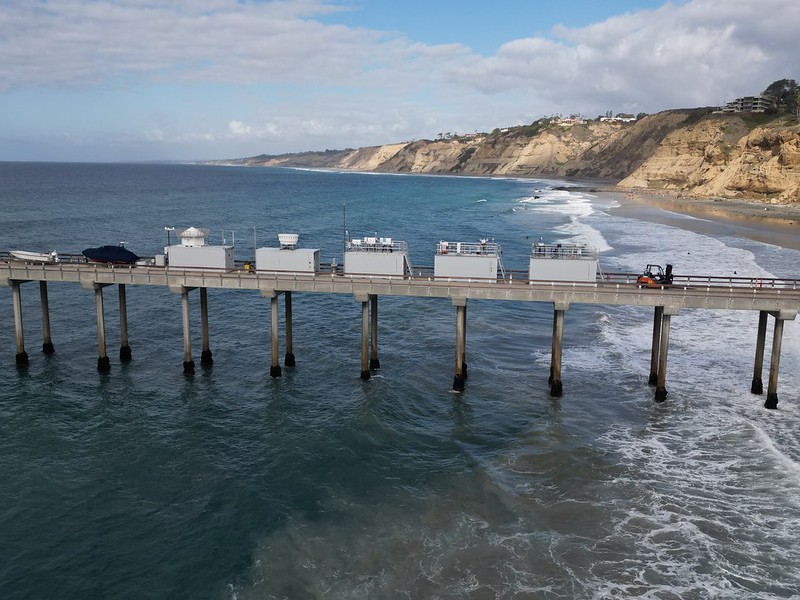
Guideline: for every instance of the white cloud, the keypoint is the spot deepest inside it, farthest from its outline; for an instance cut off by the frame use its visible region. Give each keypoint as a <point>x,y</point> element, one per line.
<point>237,128</point>
<point>295,82</point>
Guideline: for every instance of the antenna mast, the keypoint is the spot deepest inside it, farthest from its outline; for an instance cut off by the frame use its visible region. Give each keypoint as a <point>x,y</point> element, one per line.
<point>344,226</point>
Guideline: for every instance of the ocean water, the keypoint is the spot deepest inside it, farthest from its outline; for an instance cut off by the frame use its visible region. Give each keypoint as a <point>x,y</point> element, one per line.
<point>145,483</point>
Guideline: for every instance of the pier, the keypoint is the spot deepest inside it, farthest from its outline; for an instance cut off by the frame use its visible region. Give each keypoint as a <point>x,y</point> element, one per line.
<point>776,298</point>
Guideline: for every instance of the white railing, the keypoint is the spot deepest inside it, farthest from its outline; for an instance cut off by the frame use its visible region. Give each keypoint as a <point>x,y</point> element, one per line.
<point>376,244</point>
<point>484,247</point>
<point>563,251</point>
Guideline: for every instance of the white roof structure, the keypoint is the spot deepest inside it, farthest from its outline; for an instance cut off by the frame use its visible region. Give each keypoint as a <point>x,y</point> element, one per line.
<point>194,236</point>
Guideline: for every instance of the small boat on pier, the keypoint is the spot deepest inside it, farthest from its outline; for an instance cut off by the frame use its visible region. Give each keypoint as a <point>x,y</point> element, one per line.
<point>35,257</point>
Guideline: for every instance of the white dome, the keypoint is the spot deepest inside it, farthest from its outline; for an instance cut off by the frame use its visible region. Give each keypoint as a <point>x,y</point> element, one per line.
<point>288,239</point>
<point>193,236</point>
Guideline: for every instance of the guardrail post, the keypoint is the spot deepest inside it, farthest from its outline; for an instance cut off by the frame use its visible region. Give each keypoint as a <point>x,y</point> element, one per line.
<point>16,297</point>
<point>374,363</point>
<point>206,358</point>
<point>47,341</point>
<point>757,386</point>
<point>125,354</point>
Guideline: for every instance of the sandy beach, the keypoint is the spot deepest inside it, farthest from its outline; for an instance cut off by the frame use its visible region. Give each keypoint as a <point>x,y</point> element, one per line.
<point>777,224</point>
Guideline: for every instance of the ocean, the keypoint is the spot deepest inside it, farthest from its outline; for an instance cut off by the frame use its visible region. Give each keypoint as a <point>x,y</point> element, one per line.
<point>146,483</point>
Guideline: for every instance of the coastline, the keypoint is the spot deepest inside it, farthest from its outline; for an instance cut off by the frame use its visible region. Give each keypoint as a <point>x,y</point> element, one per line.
<point>776,224</point>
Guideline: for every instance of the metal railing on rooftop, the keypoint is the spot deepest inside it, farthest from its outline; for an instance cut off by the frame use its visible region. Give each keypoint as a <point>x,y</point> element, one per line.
<point>563,251</point>
<point>484,247</point>
<point>376,244</point>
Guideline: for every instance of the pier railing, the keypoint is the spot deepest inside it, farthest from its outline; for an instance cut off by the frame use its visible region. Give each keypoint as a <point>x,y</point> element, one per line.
<point>691,291</point>
<point>72,264</point>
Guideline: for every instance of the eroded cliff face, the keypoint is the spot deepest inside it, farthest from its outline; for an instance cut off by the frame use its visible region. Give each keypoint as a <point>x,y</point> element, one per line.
<point>688,151</point>
<point>720,157</point>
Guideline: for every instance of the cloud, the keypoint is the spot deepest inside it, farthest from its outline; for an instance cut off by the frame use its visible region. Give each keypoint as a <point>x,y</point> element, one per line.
<point>77,43</point>
<point>694,54</point>
<point>295,79</point>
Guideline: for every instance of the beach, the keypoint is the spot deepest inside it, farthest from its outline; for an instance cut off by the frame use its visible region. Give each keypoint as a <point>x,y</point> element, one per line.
<point>777,224</point>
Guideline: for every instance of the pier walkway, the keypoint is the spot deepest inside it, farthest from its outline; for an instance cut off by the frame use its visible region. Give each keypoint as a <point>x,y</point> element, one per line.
<point>779,298</point>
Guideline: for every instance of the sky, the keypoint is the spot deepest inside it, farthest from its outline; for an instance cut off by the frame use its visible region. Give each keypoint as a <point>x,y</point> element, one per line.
<point>141,80</point>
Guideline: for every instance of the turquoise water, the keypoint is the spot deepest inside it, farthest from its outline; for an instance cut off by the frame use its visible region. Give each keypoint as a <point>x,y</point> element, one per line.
<point>144,483</point>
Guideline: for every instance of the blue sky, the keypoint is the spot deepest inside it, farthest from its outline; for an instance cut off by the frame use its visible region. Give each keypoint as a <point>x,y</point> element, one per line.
<point>112,80</point>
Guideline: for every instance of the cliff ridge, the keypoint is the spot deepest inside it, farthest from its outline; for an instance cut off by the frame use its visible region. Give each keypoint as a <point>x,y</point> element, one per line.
<point>693,152</point>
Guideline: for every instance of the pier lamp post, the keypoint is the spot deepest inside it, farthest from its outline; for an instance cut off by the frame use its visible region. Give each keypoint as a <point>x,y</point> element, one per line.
<point>168,230</point>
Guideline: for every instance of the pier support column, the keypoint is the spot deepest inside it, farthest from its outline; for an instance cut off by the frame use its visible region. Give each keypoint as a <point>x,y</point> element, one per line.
<point>188,363</point>
<point>461,343</point>
<point>661,389</point>
<point>775,359</point>
<point>275,367</point>
<point>464,370</point>
<point>374,363</point>
<point>288,360</point>
<point>47,341</point>
<point>365,373</point>
<point>124,349</point>
<point>556,387</point>
<point>206,359</point>
<point>103,363</point>
<point>757,386</point>
<point>16,297</point>
<point>658,315</point>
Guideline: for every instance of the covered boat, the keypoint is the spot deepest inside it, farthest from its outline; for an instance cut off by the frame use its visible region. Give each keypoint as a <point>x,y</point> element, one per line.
<point>118,255</point>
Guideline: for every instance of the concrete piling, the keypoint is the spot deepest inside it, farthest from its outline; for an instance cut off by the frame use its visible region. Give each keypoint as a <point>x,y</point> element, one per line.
<point>16,298</point>
<point>661,389</point>
<point>757,385</point>
<point>188,363</point>
<point>556,387</point>
<point>774,363</point>
<point>365,373</point>
<point>658,315</point>
<point>288,360</point>
<point>206,358</point>
<point>125,354</point>
<point>374,363</point>
<point>275,367</point>
<point>461,341</point>
<point>103,363</point>
<point>464,370</point>
<point>47,341</point>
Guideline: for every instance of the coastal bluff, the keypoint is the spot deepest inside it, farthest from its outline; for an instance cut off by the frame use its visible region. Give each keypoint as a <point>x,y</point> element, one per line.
<point>692,152</point>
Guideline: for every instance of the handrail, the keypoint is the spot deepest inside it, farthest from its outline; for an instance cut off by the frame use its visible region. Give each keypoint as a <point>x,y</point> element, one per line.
<point>34,270</point>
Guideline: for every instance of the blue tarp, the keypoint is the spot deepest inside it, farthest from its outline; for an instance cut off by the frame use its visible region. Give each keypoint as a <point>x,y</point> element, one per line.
<point>110,254</point>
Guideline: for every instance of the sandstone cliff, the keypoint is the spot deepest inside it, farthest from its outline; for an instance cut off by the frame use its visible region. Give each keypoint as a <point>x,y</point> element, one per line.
<point>692,152</point>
